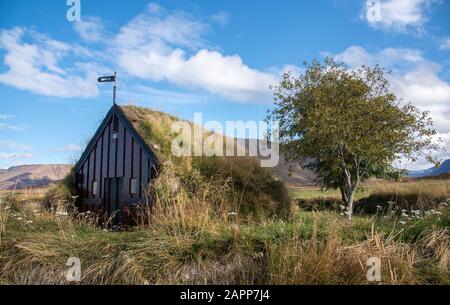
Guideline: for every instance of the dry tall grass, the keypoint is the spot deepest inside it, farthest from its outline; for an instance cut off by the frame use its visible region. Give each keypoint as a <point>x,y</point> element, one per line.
<point>4,215</point>
<point>417,195</point>
<point>190,241</point>
<point>420,188</point>
<point>411,195</point>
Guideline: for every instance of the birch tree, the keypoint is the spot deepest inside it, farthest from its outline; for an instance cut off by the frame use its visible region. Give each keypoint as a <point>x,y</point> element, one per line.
<point>347,124</point>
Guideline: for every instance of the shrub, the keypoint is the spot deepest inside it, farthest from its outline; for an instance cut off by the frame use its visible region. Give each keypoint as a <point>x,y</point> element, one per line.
<point>320,204</point>
<point>56,196</point>
<point>254,190</point>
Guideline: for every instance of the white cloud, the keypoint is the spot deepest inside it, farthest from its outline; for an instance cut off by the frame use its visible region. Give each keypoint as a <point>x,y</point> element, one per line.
<point>72,148</point>
<point>90,29</point>
<point>355,56</point>
<point>396,15</point>
<point>445,45</point>
<point>14,145</point>
<point>224,75</point>
<point>422,85</point>
<point>414,79</point>
<point>35,66</point>
<point>155,30</point>
<point>15,156</point>
<point>155,46</point>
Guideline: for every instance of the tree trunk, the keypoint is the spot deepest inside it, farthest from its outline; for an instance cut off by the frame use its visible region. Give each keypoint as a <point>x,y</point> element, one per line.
<point>343,195</point>
<point>348,198</point>
<point>348,187</point>
<point>349,204</point>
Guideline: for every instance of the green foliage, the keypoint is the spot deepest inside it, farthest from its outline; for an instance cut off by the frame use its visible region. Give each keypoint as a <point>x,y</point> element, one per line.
<point>346,124</point>
<point>320,204</point>
<point>69,181</point>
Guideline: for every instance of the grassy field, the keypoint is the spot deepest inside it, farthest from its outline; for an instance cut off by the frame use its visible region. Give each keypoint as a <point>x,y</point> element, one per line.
<point>421,186</point>
<point>309,192</point>
<point>28,195</point>
<point>188,242</point>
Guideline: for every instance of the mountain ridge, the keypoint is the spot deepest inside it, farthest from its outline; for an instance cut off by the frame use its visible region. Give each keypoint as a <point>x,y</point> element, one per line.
<point>442,168</point>
<point>32,175</point>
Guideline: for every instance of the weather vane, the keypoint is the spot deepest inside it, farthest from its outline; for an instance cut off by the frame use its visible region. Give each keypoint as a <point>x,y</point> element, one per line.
<point>110,79</point>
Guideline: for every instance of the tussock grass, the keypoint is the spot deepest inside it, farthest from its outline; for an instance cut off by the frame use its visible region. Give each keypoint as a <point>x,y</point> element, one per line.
<point>190,242</point>
<point>200,237</point>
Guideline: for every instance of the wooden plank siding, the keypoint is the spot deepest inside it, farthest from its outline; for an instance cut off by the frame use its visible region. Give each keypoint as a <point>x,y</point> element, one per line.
<point>127,157</point>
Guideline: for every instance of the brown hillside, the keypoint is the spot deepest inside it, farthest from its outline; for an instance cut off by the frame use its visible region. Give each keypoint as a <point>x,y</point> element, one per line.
<point>25,176</point>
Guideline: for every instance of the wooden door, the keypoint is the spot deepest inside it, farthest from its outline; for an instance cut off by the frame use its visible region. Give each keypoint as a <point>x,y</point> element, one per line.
<point>112,196</point>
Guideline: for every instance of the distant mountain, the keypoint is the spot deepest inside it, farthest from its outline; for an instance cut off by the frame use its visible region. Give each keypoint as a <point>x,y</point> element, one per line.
<point>26,176</point>
<point>443,168</point>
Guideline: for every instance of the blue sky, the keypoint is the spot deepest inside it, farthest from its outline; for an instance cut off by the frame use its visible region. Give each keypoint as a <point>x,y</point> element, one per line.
<point>214,57</point>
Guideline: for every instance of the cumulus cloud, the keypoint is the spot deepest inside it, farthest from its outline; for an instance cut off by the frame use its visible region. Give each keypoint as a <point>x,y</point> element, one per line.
<point>159,46</point>
<point>34,66</point>
<point>155,46</point>
<point>414,79</point>
<point>397,15</point>
<point>90,29</point>
<point>355,56</point>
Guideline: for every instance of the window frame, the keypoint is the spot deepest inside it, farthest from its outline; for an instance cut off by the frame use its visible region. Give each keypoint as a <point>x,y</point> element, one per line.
<point>94,189</point>
<point>133,186</point>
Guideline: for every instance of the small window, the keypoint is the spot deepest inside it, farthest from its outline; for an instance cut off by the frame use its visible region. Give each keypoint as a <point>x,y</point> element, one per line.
<point>133,186</point>
<point>94,188</point>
